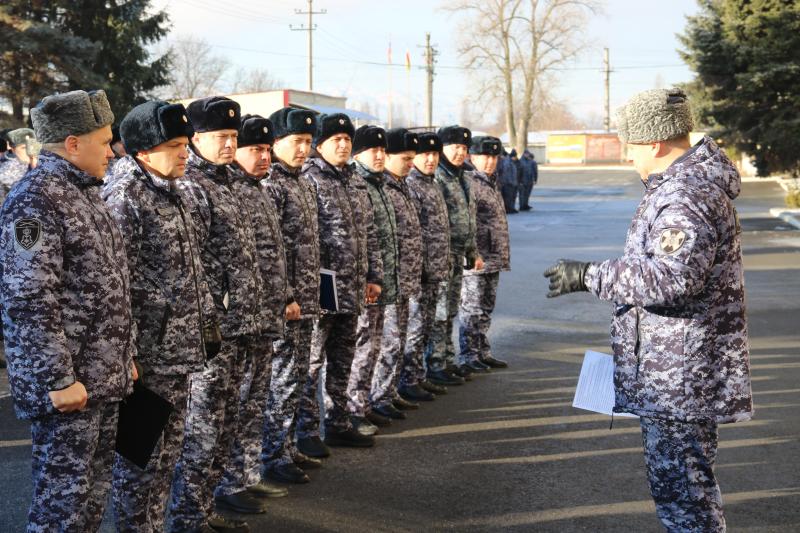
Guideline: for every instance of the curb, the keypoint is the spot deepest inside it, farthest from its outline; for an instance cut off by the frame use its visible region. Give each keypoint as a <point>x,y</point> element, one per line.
<point>790,216</point>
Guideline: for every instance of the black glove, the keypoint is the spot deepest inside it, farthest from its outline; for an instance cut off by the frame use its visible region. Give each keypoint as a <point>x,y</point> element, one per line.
<point>566,276</point>
<point>212,340</point>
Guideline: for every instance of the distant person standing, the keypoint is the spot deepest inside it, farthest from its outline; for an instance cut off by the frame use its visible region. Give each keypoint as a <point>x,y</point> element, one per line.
<point>530,175</point>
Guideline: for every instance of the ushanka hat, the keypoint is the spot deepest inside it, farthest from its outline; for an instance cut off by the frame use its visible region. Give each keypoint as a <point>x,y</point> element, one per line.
<point>333,124</point>
<point>256,129</point>
<point>152,123</point>
<point>58,116</point>
<point>655,115</point>
<point>214,113</point>
<point>485,145</point>
<point>293,121</point>
<point>429,142</point>
<point>401,140</point>
<point>367,137</point>
<point>455,135</point>
<point>20,136</point>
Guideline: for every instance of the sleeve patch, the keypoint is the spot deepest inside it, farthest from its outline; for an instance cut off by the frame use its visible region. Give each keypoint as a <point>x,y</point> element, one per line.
<point>672,240</point>
<point>27,233</point>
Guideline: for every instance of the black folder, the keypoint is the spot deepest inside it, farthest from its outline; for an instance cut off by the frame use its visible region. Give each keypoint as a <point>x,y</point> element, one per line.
<point>328,299</point>
<point>142,418</point>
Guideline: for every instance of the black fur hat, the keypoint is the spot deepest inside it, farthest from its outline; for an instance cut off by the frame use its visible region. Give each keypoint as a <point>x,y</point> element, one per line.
<point>455,135</point>
<point>152,123</point>
<point>485,145</point>
<point>429,142</point>
<point>367,137</point>
<point>401,140</point>
<point>214,113</point>
<point>330,125</point>
<point>256,129</point>
<point>291,121</point>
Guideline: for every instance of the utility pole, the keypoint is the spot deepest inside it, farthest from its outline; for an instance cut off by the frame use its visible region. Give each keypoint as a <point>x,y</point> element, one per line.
<point>607,72</point>
<point>310,29</point>
<point>430,60</point>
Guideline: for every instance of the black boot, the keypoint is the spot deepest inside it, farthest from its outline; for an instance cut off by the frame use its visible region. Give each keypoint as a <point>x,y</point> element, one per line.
<point>350,438</point>
<point>493,363</point>
<point>404,405</point>
<point>389,411</point>
<point>415,393</point>
<point>444,378</point>
<point>313,447</point>
<point>240,502</point>
<point>430,387</point>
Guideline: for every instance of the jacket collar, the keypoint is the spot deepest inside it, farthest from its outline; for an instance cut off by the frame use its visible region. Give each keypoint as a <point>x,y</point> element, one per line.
<point>59,166</point>
<point>217,173</point>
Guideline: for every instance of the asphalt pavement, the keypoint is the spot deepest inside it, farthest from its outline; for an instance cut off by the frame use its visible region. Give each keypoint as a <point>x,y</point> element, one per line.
<point>508,452</point>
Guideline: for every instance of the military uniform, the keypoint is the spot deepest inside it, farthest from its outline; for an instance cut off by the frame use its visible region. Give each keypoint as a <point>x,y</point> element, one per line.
<point>11,171</point>
<point>66,318</point>
<point>461,213</point>
<point>170,302</point>
<point>370,322</point>
<point>395,326</point>
<point>344,232</point>
<point>431,209</point>
<point>679,330</point>
<point>479,290</point>
<point>229,257</point>
<point>507,178</point>
<point>245,467</point>
<point>296,207</point>
<point>530,175</point>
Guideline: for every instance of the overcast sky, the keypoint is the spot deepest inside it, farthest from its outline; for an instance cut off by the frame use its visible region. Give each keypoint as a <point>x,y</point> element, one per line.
<point>641,36</point>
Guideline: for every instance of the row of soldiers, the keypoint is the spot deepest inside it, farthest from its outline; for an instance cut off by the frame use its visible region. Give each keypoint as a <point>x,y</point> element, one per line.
<point>517,177</point>
<point>192,267</point>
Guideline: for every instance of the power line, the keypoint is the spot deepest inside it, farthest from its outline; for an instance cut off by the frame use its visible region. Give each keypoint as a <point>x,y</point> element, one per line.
<point>310,29</point>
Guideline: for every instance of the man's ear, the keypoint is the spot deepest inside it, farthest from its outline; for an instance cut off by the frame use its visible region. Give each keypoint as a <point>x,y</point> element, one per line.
<point>71,145</point>
<point>660,149</point>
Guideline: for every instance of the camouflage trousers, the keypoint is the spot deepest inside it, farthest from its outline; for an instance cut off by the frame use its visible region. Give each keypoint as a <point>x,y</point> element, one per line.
<point>441,351</point>
<point>421,315</point>
<point>71,462</point>
<point>140,496</point>
<point>390,360</point>
<point>289,371</point>
<point>211,422</point>
<point>680,460</point>
<point>478,296</point>
<point>333,346</point>
<point>244,467</point>
<point>368,347</point>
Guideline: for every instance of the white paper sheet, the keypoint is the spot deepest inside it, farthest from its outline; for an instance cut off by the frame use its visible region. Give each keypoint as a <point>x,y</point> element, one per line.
<point>595,391</point>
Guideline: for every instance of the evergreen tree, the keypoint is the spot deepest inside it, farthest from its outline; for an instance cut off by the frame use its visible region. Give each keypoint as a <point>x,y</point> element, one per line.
<point>746,54</point>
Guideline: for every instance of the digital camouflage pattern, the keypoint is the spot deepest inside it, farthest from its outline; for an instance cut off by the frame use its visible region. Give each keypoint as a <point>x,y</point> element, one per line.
<point>421,315</point>
<point>679,330</point>
<point>369,331</point>
<point>460,209</point>
<point>386,228</point>
<point>491,234</point>
<point>427,198</point>
<point>680,459</point>
<point>65,290</point>
<point>170,299</point>
<point>409,235</point>
<point>227,243</point>
<point>390,361</point>
<point>11,171</point>
<point>270,251</point>
<point>478,297</point>
<point>344,233</point>
<point>296,203</point>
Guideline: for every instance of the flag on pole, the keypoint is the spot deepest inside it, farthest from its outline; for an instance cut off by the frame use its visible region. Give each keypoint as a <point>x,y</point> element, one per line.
<point>408,60</point>
<point>389,55</point>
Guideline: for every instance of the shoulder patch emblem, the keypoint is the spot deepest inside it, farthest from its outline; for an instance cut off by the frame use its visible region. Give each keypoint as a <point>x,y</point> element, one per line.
<point>671,240</point>
<point>27,232</point>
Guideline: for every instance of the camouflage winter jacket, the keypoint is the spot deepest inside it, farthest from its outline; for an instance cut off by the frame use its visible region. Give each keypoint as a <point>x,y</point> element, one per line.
<point>296,205</point>
<point>409,236</point>
<point>170,300</point>
<point>460,209</point>
<point>227,245</point>
<point>679,329</point>
<point>386,229</point>
<point>65,290</point>
<point>11,171</point>
<point>492,224</point>
<point>270,252</point>
<point>432,212</point>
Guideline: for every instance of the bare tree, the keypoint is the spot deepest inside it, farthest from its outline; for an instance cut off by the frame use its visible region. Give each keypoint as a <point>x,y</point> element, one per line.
<point>512,45</point>
<point>254,80</point>
<point>195,71</point>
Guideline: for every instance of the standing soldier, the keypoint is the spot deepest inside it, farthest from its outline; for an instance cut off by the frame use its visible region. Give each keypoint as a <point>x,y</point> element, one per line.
<point>343,249</point>
<point>12,170</point>
<point>507,178</point>
<point>369,154</point>
<point>401,147</point>
<point>461,213</point>
<point>679,330</point>
<point>427,197</point>
<point>66,313</point>
<point>296,206</point>
<point>251,165</point>
<point>530,175</point>
<point>228,254</point>
<point>479,291</point>
<point>169,297</point>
